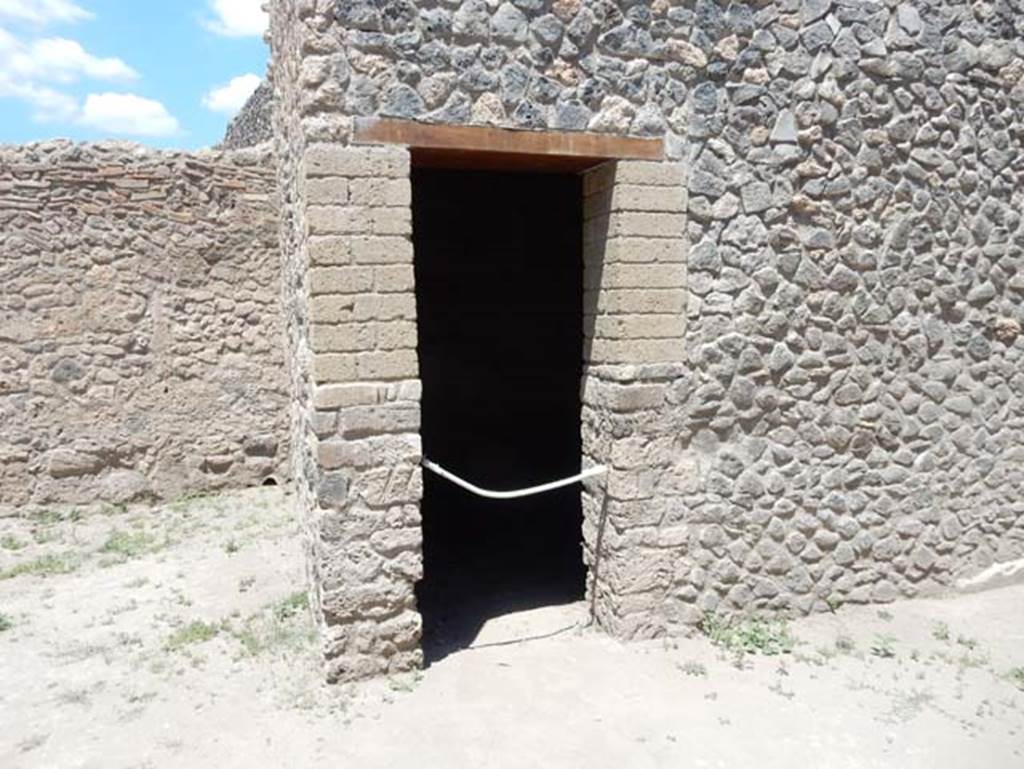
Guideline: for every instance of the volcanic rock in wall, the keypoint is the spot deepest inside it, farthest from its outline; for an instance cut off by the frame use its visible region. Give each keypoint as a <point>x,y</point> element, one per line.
<point>253,123</point>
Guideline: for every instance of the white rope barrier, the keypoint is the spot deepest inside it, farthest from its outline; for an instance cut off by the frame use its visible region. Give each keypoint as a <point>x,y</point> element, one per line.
<point>590,472</point>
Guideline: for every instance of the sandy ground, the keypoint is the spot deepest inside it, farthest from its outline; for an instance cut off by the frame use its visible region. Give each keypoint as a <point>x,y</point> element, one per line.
<point>176,636</point>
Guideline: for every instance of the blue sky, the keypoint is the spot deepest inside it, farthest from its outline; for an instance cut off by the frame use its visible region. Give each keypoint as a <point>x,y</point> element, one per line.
<point>163,73</point>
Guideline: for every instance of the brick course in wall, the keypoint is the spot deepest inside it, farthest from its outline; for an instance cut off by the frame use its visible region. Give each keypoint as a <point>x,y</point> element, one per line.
<point>140,334</point>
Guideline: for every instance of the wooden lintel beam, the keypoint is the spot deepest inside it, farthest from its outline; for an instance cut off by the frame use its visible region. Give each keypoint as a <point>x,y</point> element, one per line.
<point>370,130</point>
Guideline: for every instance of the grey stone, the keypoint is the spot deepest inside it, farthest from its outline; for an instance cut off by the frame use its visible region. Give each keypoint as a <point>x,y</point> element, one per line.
<point>66,370</point>
<point>436,22</point>
<point>528,115</point>
<point>648,121</point>
<point>358,14</point>
<point>571,116</point>
<point>757,197</point>
<point>817,36</point>
<point>548,29</point>
<point>402,101</point>
<point>332,490</point>
<point>785,127</point>
<point>812,10</point>
<point>515,79</point>
<point>705,98</point>
<point>123,486</point>
<point>509,25</point>
<point>704,183</point>
<point>909,19</point>
<point>471,19</point>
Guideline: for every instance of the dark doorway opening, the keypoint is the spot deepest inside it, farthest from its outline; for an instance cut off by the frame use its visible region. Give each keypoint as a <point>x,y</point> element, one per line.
<point>499,311</point>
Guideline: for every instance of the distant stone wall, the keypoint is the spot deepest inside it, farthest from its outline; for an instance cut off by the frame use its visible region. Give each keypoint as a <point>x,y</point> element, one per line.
<point>253,124</point>
<point>141,349</point>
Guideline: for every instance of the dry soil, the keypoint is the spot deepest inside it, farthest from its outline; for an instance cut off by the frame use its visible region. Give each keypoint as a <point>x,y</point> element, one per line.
<point>177,636</point>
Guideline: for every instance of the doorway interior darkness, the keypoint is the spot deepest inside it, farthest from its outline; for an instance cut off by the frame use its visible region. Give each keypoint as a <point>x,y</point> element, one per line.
<point>499,286</point>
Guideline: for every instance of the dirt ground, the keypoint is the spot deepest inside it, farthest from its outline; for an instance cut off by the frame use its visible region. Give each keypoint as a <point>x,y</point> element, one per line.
<point>178,636</point>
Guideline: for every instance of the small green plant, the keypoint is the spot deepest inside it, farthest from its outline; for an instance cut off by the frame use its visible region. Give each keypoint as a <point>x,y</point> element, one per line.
<point>884,646</point>
<point>48,517</point>
<point>6,623</point>
<point>292,605</point>
<point>9,542</point>
<point>969,643</point>
<point>406,682</point>
<point>885,615</point>
<point>44,566</point>
<point>196,632</point>
<point>245,584</point>
<point>74,697</point>
<point>845,644</point>
<point>231,547</point>
<point>694,668</point>
<point>750,636</point>
<point>941,631</point>
<point>124,545</point>
<point>833,603</point>
<point>1016,676</point>
<point>187,501</point>
<point>43,534</point>
<point>274,627</point>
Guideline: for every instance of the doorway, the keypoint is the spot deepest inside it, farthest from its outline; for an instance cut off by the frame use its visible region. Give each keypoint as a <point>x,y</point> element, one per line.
<point>498,263</point>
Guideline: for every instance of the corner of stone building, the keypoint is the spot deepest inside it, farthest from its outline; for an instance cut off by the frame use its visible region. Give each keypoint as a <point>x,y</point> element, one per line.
<point>360,416</point>
<point>635,300</point>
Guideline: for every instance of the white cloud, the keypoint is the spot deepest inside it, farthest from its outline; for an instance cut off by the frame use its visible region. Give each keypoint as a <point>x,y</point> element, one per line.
<point>237,18</point>
<point>43,11</point>
<point>231,97</point>
<point>126,113</point>
<point>59,60</point>
<point>47,104</point>
<point>28,69</point>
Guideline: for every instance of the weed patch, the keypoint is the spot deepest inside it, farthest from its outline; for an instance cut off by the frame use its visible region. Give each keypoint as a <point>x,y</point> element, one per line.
<point>48,517</point>
<point>751,636</point>
<point>44,566</point>
<point>275,627</point>
<point>693,668</point>
<point>1016,676</point>
<point>8,542</point>
<point>294,604</point>
<point>125,545</point>
<point>186,502</point>
<point>884,646</point>
<point>845,645</point>
<point>193,633</point>
<point>6,623</point>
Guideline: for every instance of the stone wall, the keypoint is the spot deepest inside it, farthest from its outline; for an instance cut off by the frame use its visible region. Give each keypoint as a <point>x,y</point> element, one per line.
<point>568,65</point>
<point>854,409</point>
<point>842,418</point>
<point>140,339</point>
<point>253,125</point>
